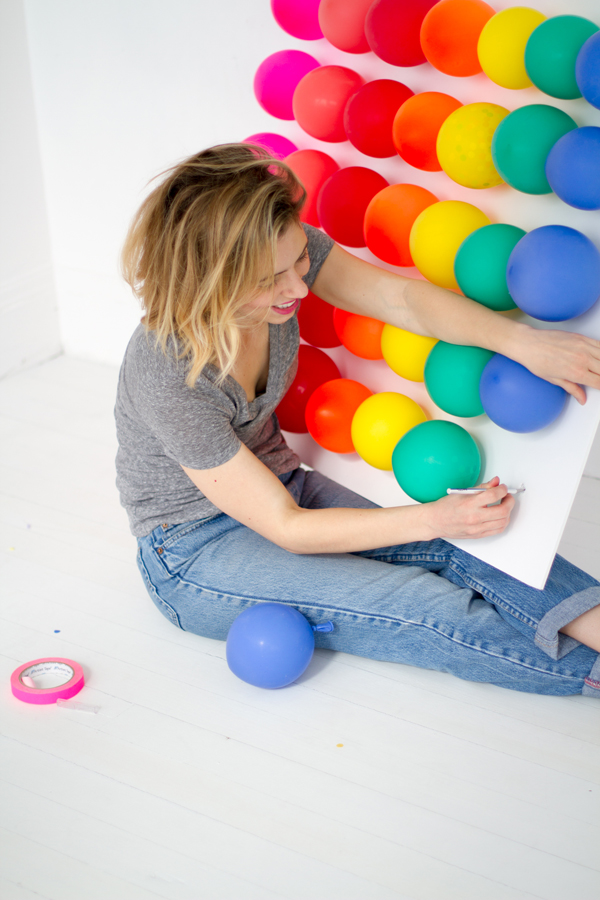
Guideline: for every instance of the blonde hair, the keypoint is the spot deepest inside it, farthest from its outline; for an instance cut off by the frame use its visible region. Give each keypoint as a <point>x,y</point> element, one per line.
<point>200,245</point>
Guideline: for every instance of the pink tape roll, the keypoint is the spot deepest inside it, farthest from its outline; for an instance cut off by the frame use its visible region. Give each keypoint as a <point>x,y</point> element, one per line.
<point>55,668</point>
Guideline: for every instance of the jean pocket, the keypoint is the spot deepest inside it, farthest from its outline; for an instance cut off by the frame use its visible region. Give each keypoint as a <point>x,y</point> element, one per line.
<point>165,608</point>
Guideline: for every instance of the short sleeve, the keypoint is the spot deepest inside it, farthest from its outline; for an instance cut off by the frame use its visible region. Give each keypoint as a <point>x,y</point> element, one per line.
<point>319,248</point>
<point>193,426</point>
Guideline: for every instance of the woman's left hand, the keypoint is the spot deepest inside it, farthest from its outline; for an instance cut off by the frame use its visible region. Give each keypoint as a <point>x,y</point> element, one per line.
<point>561,357</point>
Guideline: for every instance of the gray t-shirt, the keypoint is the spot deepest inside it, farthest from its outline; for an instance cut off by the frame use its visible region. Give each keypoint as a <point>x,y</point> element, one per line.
<point>163,424</point>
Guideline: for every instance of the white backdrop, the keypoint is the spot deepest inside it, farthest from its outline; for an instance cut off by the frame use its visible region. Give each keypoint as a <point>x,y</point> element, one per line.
<point>124,88</point>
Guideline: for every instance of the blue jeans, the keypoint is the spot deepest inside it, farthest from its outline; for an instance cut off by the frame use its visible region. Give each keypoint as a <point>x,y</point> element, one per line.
<point>425,604</point>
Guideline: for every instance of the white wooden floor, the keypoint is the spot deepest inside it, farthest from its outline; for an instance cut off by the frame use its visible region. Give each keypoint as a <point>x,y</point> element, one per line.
<point>365,781</point>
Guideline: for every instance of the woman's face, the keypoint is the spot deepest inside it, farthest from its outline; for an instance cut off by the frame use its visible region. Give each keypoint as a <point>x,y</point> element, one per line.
<point>280,295</point>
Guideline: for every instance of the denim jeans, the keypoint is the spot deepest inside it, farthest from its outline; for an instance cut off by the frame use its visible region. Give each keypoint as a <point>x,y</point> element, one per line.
<point>425,604</point>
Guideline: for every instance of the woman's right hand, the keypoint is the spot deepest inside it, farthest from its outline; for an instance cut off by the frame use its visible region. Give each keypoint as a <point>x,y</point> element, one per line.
<point>471,515</point>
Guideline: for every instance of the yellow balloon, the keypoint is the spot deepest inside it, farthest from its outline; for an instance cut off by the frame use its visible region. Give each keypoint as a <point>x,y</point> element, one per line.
<point>379,423</point>
<point>464,144</point>
<point>405,352</point>
<point>501,47</point>
<point>436,235</point>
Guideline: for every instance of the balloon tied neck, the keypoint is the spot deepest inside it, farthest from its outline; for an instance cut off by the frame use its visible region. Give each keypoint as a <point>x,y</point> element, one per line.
<point>326,626</point>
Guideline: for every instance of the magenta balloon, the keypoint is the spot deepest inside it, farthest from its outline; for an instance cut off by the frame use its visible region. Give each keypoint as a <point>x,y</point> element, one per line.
<point>300,18</point>
<point>276,80</point>
<point>275,144</point>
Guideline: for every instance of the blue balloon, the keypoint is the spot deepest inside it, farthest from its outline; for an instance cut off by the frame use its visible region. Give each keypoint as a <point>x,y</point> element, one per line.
<point>553,273</point>
<point>269,645</point>
<point>516,399</point>
<point>573,167</point>
<point>587,70</point>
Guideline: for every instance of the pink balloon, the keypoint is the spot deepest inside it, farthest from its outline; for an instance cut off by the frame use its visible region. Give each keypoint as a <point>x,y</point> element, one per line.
<point>276,80</point>
<point>300,18</point>
<point>276,144</point>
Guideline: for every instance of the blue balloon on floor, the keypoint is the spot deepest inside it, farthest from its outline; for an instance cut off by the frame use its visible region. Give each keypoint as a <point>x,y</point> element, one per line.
<point>516,399</point>
<point>553,273</point>
<point>587,70</point>
<point>269,645</point>
<point>573,167</point>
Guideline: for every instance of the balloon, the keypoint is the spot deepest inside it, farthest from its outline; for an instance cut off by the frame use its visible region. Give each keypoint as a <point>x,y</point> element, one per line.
<point>480,265</point>
<point>320,99</point>
<point>405,352</point>
<point>433,457</point>
<point>452,374</point>
<point>369,116</point>
<point>573,168</point>
<point>315,320</point>
<point>360,335</point>
<point>553,273</point>
<point>313,168</point>
<point>314,369</point>
<point>379,423</point>
<point>269,645</point>
<point>501,46</point>
<point>464,144</point>
<point>300,18</point>
<point>392,29</point>
<point>522,142</point>
<point>437,234</point>
<point>330,410</point>
<point>416,127</point>
<point>516,399</point>
<point>587,70</point>
<point>343,24</point>
<point>450,32</point>
<point>276,144</point>
<point>276,79</point>
<point>551,53</point>
<point>389,218</point>
<point>343,200</point>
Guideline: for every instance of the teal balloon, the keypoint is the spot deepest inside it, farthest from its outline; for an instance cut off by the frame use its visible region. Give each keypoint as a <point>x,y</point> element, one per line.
<point>522,142</point>
<point>433,457</point>
<point>480,265</point>
<point>551,53</point>
<point>452,375</point>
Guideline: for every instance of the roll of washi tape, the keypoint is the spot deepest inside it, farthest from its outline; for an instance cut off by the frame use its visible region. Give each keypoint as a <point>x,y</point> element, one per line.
<point>52,679</point>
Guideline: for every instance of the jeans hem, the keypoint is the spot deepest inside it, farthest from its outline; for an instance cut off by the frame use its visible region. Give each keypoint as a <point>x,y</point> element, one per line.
<point>547,635</point>
<point>591,684</point>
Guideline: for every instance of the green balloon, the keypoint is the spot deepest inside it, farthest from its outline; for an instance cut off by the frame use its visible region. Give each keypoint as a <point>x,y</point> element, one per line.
<point>452,375</point>
<point>522,142</point>
<point>551,52</point>
<point>480,265</point>
<point>433,457</point>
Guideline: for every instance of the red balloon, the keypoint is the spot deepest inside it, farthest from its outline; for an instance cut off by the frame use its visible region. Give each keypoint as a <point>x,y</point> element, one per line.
<point>360,335</point>
<point>369,116</point>
<point>343,201</point>
<point>319,103</point>
<point>314,368</point>
<point>315,318</point>
<point>330,410</point>
<point>343,24</point>
<point>393,30</point>
<point>313,168</point>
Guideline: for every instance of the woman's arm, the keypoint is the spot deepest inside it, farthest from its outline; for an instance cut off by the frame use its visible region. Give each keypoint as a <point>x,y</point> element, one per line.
<point>245,489</point>
<point>561,357</point>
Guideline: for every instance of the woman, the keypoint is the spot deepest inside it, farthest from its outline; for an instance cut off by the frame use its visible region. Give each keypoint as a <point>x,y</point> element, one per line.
<point>224,515</point>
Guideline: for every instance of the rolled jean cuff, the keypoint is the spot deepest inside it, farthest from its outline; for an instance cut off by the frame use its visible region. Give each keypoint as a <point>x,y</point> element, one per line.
<point>547,635</point>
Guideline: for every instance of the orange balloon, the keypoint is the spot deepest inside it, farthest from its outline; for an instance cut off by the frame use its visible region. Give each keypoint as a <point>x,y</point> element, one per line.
<point>312,168</point>
<point>416,126</point>
<point>330,410</point>
<point>360,335</point>
<point>389,218</point>
<point>450,32</point>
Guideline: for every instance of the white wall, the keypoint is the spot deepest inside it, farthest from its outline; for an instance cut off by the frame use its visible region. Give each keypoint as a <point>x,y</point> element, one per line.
<point>28,309</point>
